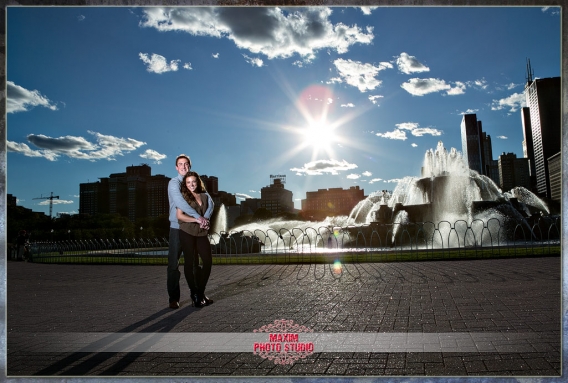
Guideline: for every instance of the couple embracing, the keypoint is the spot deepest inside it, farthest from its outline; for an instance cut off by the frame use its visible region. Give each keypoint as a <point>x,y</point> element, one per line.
<point>190,211</point>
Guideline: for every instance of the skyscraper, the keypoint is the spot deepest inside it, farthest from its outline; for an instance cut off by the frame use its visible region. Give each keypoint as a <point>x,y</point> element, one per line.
<point>513,171</point>
<point>543,99</point>
<point>471,142</point>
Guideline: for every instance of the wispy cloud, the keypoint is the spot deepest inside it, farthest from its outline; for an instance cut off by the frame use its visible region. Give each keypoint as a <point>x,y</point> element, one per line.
<point>375,180</point>
<point>367,173</point>
<point>502,137</point>
<point>400,132</point>
<point>56,202</point>
<point>551,10</point>
<point>242,196</point>
<point>360,75</point>
<point>80,18</point>
<point>354,176</point>
<point>320,167</point>
<point>22,100</point>
<point>375,99</point>
<point>469,111</point>
<point>254,61</point>
<point>514,102</point>
<point>158,64</point>
<point>413,145</point>
<point>367,10</point>
<point>422,86</point>
<point>348,105</point>
<point>215,55</point>
<point>107,147</point>
<point>153,155</point>
<point>187,66</point>
<point>409,64</point>
<point>271,31</point>
<point>396,134</point>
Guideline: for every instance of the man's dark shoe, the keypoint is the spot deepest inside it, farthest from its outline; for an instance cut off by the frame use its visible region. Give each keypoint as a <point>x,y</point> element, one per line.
<point>174,305</point>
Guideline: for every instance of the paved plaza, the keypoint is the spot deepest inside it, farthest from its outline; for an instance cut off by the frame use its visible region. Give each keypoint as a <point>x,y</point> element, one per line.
<point>499,317</point>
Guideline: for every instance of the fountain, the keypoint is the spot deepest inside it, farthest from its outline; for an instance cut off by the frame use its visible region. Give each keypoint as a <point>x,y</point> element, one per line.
<point>448,199</point>
<point>220,221</point>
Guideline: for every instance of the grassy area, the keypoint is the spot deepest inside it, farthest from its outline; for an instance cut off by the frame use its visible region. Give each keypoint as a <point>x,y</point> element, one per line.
<point>314,258</point>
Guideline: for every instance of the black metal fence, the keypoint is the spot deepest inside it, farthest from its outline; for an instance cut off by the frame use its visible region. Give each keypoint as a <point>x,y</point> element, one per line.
<point>365,243</point>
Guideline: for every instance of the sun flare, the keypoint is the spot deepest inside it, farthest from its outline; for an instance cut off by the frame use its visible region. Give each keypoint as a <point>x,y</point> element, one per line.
<point>319,135</point>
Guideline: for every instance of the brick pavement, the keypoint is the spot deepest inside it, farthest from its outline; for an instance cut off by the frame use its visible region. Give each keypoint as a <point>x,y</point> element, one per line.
<point>518,297</point>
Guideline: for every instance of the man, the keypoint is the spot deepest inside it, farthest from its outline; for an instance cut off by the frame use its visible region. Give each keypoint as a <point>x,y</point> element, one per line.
<point>183,165</point>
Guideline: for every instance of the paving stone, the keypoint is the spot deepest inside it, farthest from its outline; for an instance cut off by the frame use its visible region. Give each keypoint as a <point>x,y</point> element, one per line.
<point>505,296</point>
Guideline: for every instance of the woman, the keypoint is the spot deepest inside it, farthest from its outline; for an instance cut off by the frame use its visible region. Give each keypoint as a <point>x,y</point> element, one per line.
<point>194,240</point>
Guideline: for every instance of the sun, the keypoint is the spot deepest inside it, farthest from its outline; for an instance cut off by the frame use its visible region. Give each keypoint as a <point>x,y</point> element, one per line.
<point>319,135</point>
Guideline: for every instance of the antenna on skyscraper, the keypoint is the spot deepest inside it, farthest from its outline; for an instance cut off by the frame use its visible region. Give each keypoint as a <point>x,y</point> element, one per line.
<point>530,72</point>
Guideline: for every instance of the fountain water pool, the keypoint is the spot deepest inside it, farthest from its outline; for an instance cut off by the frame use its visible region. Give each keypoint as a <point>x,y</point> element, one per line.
<point>448,192</point>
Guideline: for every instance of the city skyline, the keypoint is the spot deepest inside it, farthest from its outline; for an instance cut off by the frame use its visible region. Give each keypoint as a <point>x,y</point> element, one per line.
<point>93,90</point>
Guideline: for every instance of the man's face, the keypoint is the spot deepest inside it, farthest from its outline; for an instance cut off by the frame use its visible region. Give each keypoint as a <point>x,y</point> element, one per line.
<point>182,166</point>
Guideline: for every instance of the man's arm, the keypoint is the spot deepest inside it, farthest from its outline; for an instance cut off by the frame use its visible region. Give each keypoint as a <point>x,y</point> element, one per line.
<point>175,195</point>
<point>210,206</point>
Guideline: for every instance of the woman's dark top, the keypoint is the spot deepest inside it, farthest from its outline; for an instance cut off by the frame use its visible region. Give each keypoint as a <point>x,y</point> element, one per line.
<point>193,227</point>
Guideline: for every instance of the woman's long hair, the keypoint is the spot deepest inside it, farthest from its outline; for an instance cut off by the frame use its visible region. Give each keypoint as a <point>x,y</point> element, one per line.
<point>185,192</point>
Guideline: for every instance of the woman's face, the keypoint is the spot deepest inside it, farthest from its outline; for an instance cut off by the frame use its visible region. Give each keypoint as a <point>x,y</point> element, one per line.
<point>191,183</point>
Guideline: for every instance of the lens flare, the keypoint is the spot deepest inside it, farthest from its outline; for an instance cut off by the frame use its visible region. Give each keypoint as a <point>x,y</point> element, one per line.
<point>337,267</point>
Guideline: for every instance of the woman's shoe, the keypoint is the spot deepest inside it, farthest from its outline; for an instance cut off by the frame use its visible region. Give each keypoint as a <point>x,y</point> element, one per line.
<point>196,301</point>
<point>207,300</point>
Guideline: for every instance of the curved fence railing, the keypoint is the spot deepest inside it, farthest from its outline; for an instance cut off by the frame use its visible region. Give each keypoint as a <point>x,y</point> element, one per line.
<point>364,243</point>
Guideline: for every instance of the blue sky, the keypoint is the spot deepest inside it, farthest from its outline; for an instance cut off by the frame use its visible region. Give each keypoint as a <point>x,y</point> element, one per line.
<point>330,97</point>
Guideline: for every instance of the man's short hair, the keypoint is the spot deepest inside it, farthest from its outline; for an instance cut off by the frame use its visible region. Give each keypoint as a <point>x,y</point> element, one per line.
<point>183,156</point>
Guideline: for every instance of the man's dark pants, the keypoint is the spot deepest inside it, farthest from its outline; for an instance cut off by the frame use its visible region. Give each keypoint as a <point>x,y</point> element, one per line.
<point>174,254</point>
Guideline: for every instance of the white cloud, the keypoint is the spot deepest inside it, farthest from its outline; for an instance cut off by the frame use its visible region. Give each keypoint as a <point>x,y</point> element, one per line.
<point>367,10</point>
<point>22,100</point>
<point>334,80</point>
<point>514,102</point>
<point>469,111</point>
<point>419,132</point>
<point>329,101</point>
<point>242,196</point>
<point>359,75</point>
<point>422,86</point>
<point>80,17</point>
<point>153,155</point>
<point>502,137</point>
<point>320,167</point>
<point>158,64</point>
<point>413,145</point>
<point>374,99</point>
<point>187,66</point>
<point>407,125</point>
<point>348,105</point>
<point>400,132</point>
<point>215,55</point>
<point>394,180</point>
<point>409,64</point>
<point>553,10</point>
<point>55,202</point>
<point>271,31</point>
<point>254,61</point>
<point>458,89</point>
<point>107,147</point>
<point>367,173</point>
<point>353,176</point>
<point>375,180</point>
<point>396,134</point>
<point>478,84</point>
